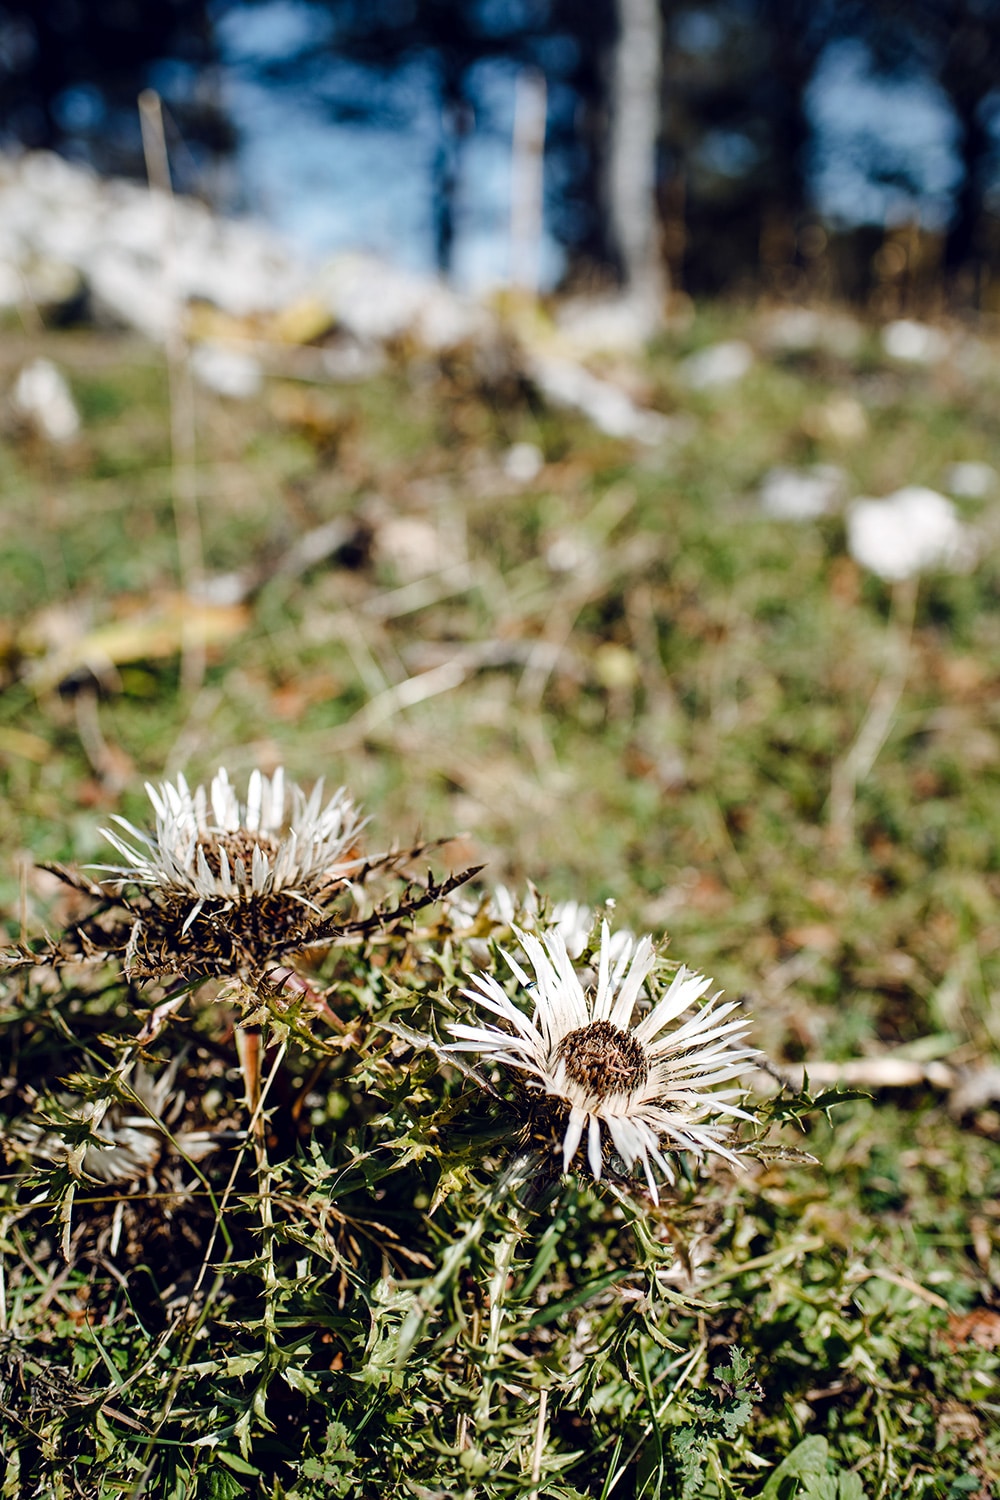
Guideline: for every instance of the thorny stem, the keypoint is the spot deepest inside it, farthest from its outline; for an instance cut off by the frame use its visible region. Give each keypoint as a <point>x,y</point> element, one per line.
<point>118,1074</point>
<point>539,1444</point>
<point>518,1173</point>
<point>206,1260</point>
<point>249,1042</point>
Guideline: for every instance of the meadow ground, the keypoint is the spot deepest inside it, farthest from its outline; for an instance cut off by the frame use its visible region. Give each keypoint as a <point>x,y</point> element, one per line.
<point>616,678</point>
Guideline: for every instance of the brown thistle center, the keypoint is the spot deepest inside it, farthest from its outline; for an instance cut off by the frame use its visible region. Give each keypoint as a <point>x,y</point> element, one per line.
<point>603,1059</point>
<point>238,845</point>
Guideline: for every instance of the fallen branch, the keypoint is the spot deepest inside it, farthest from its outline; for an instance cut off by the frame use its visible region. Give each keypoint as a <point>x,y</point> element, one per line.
<point>969,1089</point>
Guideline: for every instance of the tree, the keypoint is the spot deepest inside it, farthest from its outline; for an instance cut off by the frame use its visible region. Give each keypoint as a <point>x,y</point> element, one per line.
<point>737,127</point>
<point>636,110</point>
<point>956,43</point>
<point>71,71</point>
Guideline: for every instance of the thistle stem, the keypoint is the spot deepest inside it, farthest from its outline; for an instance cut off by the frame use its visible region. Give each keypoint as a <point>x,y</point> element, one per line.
<point>250,1047</point>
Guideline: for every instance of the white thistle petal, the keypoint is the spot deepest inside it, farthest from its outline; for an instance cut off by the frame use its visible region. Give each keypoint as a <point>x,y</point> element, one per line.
<point>192,916</point>
<point>276,812</point>
<point>204,879</point>
<point>685,989</point>
<point>594,1147</point>
<point>573,1136</point>
<point>255,802</point>
<point>643,960</point>
<point>124,849</point>
<point>602,1000</point>
<point>260,871</point>
<point>159,807</point>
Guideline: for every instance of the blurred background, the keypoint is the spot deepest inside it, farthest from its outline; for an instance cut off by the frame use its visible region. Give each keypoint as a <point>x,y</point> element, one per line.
<point>572,425</point>
<point>833,147</point>
<point>663,569</point>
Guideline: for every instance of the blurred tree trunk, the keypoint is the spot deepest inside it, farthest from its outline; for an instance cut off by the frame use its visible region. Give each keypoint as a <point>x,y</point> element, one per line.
<point>795,45</point>
<point>964,247</point>
<point>968,74</point>
<point>956,43</point>
<point>455,125</point>
<point>632,168</point>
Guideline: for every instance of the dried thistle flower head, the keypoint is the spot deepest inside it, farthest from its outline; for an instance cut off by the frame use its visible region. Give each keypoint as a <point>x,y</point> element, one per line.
<point>223,888</point>
<point>650,1088</point>
<point>213,847</point>
<point>124,1142</point>
<point>227,883</point>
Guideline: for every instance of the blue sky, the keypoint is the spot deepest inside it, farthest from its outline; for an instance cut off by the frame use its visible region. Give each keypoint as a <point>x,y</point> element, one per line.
<point>329,186</point>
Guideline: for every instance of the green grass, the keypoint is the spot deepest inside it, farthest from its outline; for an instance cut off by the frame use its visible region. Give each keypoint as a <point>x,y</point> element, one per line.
<point>658,687</point>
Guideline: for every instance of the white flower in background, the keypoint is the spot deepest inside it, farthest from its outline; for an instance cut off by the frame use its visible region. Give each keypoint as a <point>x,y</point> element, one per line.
<point>573,920</point>
<point>913,529</point>
<point>971,480</point>
<point>649,1088</point>
<point>523,462</point>
<point>230,371</point>
<point>209,847</point>
<point>915,343</point>
<point>717,366</point>
<point>802,494</point>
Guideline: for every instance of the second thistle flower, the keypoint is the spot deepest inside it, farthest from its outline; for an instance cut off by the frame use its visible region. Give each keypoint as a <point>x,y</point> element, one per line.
<point>648,1084</point>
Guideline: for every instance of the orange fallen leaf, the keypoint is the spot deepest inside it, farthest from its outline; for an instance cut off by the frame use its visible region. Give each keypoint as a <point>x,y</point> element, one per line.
<point>980,1326</point>
<point>818,935</point>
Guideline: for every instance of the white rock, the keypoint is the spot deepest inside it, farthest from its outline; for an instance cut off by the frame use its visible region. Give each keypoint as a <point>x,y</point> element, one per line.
<point>415,548</point>
<point>609,324</point>
<point>567,383</point>
<point>377,302</point>
<point>914,343</point>
<point>913,529</point>
<point>971,480</point>
<point>798,329</point>
<point>802,494</point>
<point>717,366</point>
<point>42,397</point>
<point>523,462</point>
<point>348,361</point>
<point>231,372</point>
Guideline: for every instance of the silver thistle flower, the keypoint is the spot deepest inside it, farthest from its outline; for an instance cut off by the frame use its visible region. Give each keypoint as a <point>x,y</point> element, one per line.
<point>652,1089</point>
<point>227,886</point>
<point>223,888</point>
<point>210,847</point>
